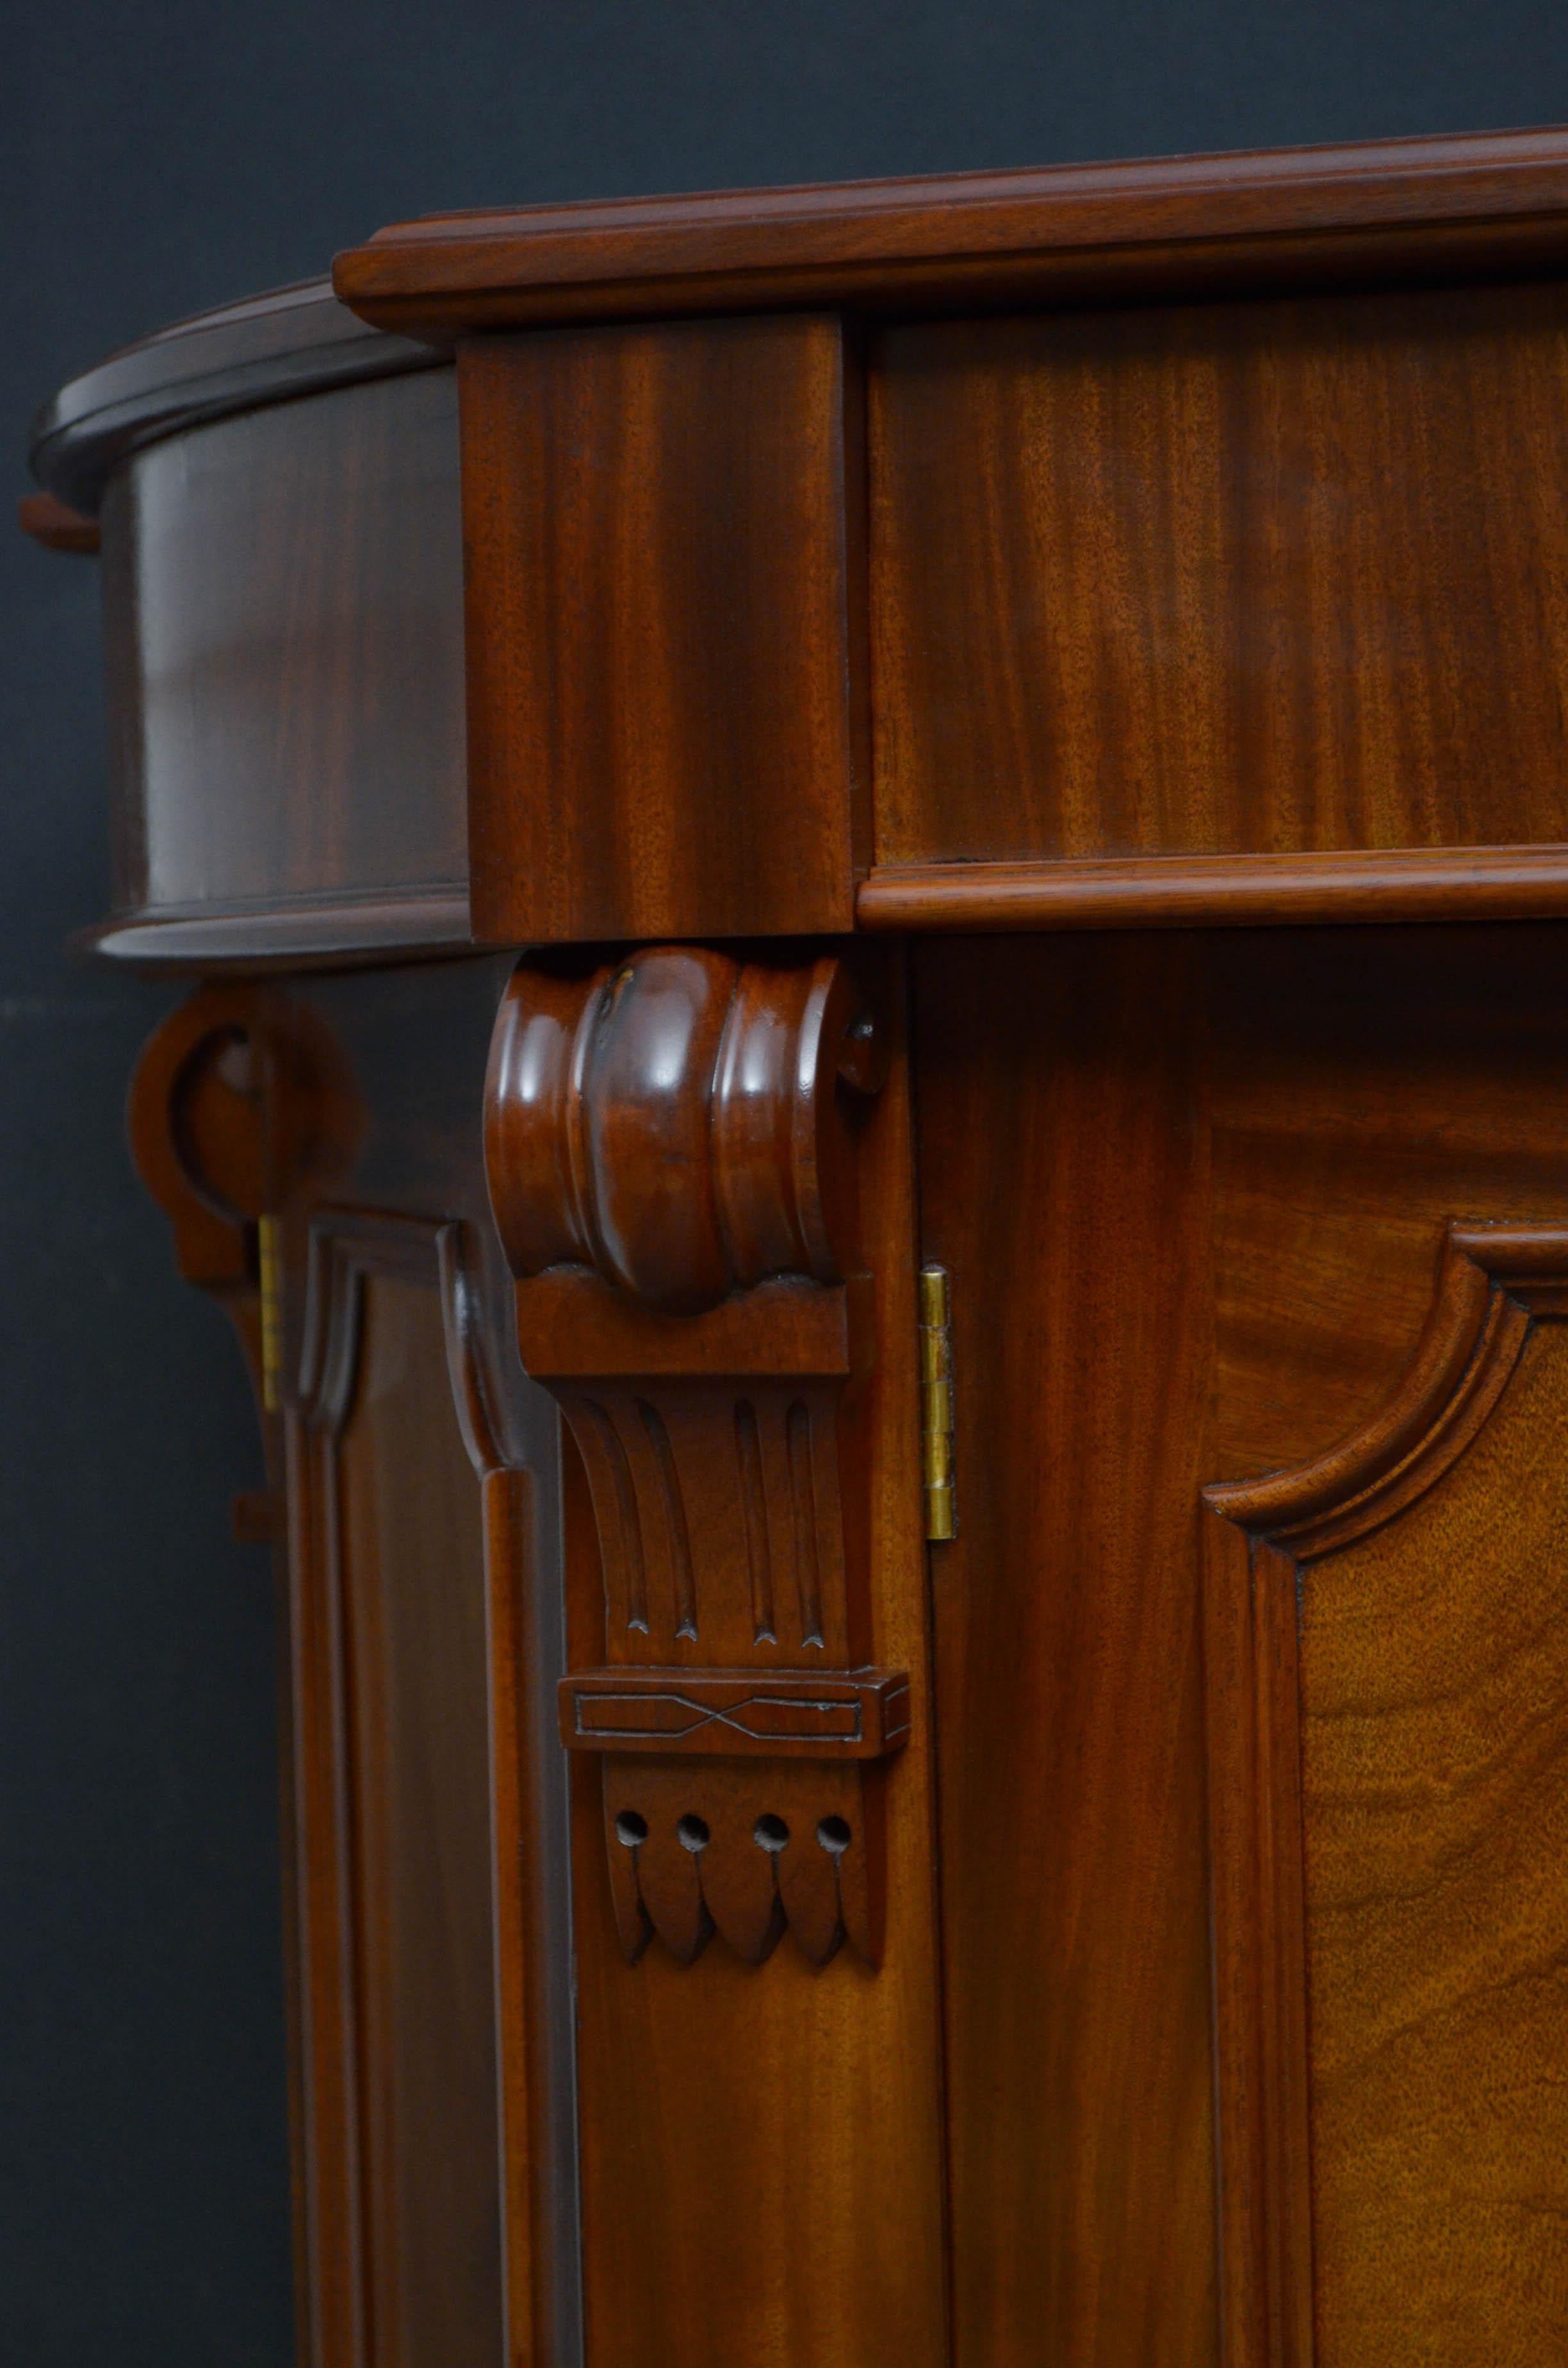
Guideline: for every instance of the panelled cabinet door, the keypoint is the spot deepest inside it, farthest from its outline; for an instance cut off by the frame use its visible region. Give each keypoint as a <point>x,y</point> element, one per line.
<point>1252,1795</point>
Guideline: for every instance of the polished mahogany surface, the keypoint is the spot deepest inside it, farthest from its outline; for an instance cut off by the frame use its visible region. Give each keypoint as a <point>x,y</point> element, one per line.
<point>802,619</point>
<point>1251,578</point>
<point>277,499</point>
<point>666,600</point>
<point>1131,577</point>
<point>252,706</point>
<point>914,1438</point>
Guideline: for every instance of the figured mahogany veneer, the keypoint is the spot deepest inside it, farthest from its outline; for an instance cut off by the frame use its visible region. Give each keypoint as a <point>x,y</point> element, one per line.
<point>666,555</point>
<point>287,735</point>
<point>816,616</point>
<point>1106,547</point>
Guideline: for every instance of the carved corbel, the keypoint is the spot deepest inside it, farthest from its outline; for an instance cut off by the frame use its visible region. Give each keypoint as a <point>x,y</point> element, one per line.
<point>671,1146</point>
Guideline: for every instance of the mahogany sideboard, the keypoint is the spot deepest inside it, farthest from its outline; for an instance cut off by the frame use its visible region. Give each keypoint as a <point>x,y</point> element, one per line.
<point>875,889</point>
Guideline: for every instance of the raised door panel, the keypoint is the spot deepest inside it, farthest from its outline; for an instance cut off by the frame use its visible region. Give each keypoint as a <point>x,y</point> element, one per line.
<point>1388,1745</point>
<point>406,2049</point>
<point>1434,1673</point>
<point>411,1560</point>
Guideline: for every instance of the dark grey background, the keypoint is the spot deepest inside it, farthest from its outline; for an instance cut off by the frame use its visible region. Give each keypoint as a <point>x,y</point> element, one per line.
<point>155,160</point>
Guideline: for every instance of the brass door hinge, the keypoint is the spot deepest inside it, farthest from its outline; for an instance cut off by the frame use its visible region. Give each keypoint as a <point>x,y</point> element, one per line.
<point>937,1403</point>
<point>270,1282</point>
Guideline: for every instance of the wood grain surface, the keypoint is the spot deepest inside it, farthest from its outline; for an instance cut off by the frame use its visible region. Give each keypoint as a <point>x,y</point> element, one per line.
<point>1204,1994</point>
<point>1193,1193</point>
<point>271,349</point>
<point>1359,1106</point>
<point>1368,1087</point>
<point>665,549</point>
<point>1173,892</point>
<point>1063,1182</point>
<point>408,2242</point>
<point>1261,578</point>
<point>1434,1781</point>
<point>252,1100</point>
<point>411,1548</point>
<point>413,1043</point>
<point>290,726</point>
<point>1342,1835</point>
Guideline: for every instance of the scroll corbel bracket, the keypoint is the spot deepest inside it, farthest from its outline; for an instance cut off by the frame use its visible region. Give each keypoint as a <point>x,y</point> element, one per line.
<point>671,1142</point>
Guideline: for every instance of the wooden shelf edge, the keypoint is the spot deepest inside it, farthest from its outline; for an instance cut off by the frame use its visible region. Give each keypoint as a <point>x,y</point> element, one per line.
<point>1448,884</point>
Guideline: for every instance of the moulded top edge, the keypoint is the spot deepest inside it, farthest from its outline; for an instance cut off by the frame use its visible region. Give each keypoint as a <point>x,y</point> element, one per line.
<point>891,243</point>
<point>267,349</point>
